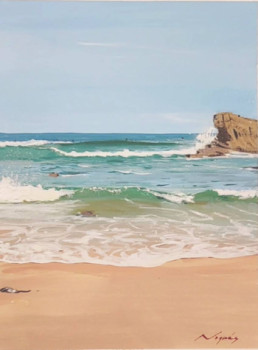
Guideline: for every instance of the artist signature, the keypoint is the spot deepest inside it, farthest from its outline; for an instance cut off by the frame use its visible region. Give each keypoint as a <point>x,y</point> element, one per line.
<point>218,337</point>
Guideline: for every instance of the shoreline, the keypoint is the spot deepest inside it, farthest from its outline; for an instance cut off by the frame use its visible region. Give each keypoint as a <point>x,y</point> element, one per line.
<point>86,263</point>
<point>88,306</point>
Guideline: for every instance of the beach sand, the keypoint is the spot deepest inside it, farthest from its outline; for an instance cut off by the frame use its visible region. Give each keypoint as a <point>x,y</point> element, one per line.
<point>85,306</point>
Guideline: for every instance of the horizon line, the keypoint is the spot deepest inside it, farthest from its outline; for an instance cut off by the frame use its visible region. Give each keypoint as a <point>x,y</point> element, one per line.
<point>106,133</point>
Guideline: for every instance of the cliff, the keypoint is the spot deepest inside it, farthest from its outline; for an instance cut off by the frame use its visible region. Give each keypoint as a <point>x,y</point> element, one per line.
<point>235,133</point>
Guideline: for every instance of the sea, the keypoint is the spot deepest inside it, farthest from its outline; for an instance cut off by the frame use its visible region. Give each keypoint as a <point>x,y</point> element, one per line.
<point>123,199</point>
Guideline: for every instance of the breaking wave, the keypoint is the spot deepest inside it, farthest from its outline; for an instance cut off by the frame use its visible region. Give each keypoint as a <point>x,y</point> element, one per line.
<point>201,141</point>
<point>130,193</point>
<point>126,153</point>
<point>127,142</point>
<point>29,143</point>
<point>130,172</point>
<point>13,192</point>
<point>206,138</point>
<point>242,194</point>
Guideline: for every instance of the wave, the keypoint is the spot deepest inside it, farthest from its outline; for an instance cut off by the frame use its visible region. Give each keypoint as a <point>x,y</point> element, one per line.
<point>206,138</point>
<point>201,141</point>
<point>208,196</point>
<point>130,172</point>
<point>125,153</point>
<point>74,175</point>
<point>30,143</point>
<point>126,143</point>
<point>225,195</point>
<point>13,192</point>
<point>243,194</point>
<point>84,166</point>
<point>130,193</point>
<point>150,195</point>
<point>234,154</point>
<point>35,143</point>
<point>174,197</point>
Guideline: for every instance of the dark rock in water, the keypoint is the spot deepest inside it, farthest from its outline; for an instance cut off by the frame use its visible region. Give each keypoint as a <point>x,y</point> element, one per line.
<point>86,213</point>
<point>53,174</point>
<point>251,168</point>
<point>11,290</point>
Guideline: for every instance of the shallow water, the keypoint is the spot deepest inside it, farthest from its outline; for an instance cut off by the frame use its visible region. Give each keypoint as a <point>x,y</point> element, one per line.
<point>151,203</point>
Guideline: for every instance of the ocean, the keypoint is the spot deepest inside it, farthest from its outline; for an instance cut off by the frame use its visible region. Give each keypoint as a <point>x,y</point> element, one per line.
<point>123,199</point>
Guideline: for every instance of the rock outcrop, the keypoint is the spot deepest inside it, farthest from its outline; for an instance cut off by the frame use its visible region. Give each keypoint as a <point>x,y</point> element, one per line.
<point>86,213</point>
<point>53,174</point>
<point>235,133</point>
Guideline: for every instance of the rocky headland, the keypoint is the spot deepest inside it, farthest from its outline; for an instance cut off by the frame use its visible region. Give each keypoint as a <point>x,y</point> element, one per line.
<point>235,133</point>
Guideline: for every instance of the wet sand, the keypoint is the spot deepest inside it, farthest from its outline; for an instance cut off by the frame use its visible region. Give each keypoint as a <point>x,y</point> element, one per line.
<point>84,306</point>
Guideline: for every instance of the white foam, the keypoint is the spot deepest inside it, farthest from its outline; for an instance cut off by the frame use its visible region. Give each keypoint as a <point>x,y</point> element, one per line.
<point>174,198</point>
<point>244,194</point>
<point>140,241</point>
<point>201,141</point>
<point>13,192</point>
<point>84,166</point>
<point>115,190</point>
<point>123,171</point>
<point>171,197</point>
<point>205,138</point>
<point>29,143</point>
<point>74,175</point>
<point>234,154</point>
<point>132,172</point>
<point>125,153</point>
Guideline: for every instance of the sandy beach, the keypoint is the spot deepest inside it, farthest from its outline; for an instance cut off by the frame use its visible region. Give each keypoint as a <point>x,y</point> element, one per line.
<point>86,306</point>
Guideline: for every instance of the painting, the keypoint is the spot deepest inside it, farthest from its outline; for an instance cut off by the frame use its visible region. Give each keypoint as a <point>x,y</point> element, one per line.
<point>128,175</point>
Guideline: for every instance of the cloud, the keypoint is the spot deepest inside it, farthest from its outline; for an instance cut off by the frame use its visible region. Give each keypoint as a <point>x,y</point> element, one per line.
<point>139,47</point>
<point>99,44</point>
<point>179,121</point>
<point>178,117</point>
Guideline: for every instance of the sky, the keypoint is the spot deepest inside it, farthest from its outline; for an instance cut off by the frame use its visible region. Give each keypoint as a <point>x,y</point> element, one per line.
<point>150,67</point>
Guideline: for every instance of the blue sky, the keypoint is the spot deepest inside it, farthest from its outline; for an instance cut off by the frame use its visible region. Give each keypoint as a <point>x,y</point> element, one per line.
<point>125,67</point>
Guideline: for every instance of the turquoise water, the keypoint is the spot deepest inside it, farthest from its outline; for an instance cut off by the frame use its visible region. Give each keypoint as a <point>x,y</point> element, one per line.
<point>147,202</point>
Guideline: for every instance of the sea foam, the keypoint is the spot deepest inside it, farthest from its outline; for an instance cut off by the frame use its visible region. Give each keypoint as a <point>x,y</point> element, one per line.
<point>128,172</point>
<point>201,141</point>
<point>174,197</point>
<point>146,240</point>
<point>29,143</point>
<point>13,192</point>
<point>206,138</point>
<point>242,194</point>
<point>126,153</point>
